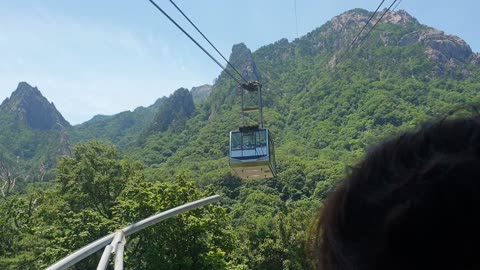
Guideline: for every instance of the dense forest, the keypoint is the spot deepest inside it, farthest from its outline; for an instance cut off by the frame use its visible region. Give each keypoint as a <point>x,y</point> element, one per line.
<point>65,186</point>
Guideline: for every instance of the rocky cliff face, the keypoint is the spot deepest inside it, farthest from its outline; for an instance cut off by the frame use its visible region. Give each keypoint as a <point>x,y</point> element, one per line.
<point>442,48</point>
<point>33,108</point>
<point>476,59</point>
<point>201,93</point>
<point>242,59</point>
<point>174,112</point>
<point>223,91</point>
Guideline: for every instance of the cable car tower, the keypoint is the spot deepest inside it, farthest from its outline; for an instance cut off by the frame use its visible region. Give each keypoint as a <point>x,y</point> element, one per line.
<point>252,154</point>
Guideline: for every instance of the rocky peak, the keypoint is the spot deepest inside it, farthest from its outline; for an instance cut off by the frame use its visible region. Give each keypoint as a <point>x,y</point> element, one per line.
<point>174,112</point>
<point>201,93</point>
<point>346,26</point>
<point>33,108</point>
<point>400,17</point>
<point>445,51</point>
<point>355,18</point>
<point>24,89</point>
<point>242,59</point>
<point>358,18</point>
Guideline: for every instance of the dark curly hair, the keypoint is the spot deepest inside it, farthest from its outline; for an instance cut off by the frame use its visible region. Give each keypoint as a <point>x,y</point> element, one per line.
<point>413,202</point>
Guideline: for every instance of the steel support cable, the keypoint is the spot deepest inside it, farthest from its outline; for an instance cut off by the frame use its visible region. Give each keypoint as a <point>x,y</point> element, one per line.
<point>188,19</point>
<point>366,24</point>
<point>373,27</point>
<point>397,5</point>
<point>194,41</point>
<point>359,33</point>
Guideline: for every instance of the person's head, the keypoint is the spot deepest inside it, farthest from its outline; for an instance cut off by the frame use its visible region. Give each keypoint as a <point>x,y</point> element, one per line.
<point>413,202</point>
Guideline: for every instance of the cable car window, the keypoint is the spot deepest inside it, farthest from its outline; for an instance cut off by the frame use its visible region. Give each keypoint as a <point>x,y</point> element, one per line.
<point>261,138</point>
<point>248,141</point>
<point>236,141</point>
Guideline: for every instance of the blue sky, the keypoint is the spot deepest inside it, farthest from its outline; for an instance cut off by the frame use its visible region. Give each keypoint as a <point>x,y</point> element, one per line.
<point>102,57</point>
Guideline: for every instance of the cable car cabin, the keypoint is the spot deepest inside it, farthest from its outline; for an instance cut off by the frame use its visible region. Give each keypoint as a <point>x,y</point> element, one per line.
<point>252,154</point>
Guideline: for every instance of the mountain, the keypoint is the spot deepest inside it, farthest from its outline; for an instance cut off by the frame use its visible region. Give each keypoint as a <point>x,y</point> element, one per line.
<point>31,107</point>
<point>327,99</point>
<point>125,128</point>
<point>33,132</point>
<point>325,107</point>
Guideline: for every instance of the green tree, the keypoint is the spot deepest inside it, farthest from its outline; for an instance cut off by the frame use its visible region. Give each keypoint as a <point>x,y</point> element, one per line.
<point>198,239</point>
<point>94,177</point>
<point>97,192</point>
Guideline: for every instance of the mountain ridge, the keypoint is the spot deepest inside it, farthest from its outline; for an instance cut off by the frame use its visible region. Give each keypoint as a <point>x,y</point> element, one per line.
<point>439,44</point>
<point>281,63</point>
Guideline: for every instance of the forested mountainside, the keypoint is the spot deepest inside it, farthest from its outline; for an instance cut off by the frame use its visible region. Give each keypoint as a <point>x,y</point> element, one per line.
<point>120,129</point>
<point>324,104</point>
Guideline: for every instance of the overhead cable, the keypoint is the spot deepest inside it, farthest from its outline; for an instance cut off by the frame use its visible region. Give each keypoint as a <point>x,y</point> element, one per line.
<point>397,5</point>
<point>373,27</point>
<point>366,24</point>
<point>194,41</point>
<point>188,19</point>
<point>359,33</point>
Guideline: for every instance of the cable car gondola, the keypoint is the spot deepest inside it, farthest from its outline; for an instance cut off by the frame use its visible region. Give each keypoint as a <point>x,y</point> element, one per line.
<point>252,153</point>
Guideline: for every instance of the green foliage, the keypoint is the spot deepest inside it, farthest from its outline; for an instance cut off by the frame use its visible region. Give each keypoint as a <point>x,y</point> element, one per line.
<point>323,120</point>
<point>94,176</point>
<point>97,191</point>
<point>198,239</point>
<point>122,129</point>
<point>32,152</point>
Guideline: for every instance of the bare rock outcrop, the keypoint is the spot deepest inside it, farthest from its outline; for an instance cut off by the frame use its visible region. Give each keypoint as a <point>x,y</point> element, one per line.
<point>440,46</point>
